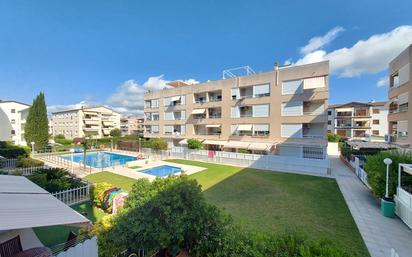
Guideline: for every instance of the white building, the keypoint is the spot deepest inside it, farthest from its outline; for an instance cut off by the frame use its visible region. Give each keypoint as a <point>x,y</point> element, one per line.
<point>13,116</point>
<point>95,122</point>
<point>360,121</point>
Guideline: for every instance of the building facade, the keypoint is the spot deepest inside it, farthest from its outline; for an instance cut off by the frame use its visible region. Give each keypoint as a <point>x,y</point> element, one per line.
<point>130,125</point>
<point>13,117</point>
<point>400,87</point>
<point>94,122</point>
<point>277,112</point>
<point>359,121</point>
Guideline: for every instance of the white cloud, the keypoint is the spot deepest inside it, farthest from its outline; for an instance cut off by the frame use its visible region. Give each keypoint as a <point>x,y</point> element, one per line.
<point>316,43</point>
<point>59,107</point>
<point>366,56</point>
<point>382,82</point>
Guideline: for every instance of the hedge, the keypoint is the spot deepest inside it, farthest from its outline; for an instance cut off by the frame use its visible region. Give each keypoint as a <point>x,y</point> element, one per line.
<point>27,162</point>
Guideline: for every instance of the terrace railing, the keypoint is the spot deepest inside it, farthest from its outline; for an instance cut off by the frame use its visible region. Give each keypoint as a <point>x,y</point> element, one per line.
<point>8,163</point>
<point>74,195</point>
<point>27,171</point>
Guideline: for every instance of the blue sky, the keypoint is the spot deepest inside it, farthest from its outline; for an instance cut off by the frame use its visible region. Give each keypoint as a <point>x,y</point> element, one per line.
<point>104,52</point>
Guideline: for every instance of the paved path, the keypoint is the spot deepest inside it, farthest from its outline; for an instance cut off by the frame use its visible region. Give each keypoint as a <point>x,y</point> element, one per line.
<point>379,233</point>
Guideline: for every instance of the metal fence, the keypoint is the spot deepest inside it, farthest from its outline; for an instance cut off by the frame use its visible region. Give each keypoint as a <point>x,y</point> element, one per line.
<point>74,195</point>
<point>266,162</point>
<point>26,171</point>
<point>59,161</point>
<point>8,163</point>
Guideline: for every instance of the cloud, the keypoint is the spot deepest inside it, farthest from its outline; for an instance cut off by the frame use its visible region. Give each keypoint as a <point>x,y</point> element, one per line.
<point>382,82</point>
<point>366,56</point>
<point>59,107</point>
<point>316,43</point>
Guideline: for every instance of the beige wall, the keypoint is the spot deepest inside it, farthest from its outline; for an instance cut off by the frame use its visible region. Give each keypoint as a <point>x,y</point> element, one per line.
<point>275,100</point>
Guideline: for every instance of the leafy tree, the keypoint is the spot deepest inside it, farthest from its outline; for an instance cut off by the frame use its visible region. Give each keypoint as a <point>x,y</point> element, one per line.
<point>194,143</point>
<point>37,127</point>
<point>332,137</point>
<point>116,132</point>
<point>158,144</point>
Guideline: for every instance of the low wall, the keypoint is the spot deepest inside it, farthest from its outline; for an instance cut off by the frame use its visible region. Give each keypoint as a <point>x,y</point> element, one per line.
<point>333,149</point>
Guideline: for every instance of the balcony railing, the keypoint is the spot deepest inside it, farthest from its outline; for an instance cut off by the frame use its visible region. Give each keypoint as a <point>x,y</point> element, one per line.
<point>209,134</point>
<point>313,136</point>
<point>215,116</point>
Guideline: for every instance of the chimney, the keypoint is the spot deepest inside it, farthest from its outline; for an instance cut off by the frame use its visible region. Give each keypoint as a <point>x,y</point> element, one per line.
<point>276,68</point>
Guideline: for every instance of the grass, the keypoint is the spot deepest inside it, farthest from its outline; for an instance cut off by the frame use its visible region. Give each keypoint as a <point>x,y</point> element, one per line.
<point>54,235</point>
<point>111,178</point>
<point>276,202</point>
<point>134,167</point>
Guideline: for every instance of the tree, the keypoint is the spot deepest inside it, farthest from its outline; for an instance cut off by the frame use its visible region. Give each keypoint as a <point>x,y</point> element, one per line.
<point>158,144</point>
<point>37,124</point>
<point>194,143</point>
<point>116,132</point>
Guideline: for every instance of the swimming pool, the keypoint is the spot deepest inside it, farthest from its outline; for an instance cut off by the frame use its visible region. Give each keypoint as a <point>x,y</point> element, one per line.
<point>162,171</point>
<point>101,159</point>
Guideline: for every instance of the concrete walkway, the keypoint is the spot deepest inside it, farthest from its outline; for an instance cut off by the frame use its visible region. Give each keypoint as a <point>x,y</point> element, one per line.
<point>380,234</point>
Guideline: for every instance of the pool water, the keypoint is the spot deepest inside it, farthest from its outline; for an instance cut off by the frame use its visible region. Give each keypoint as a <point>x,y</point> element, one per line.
<point>162,171</point>
<point>101,159</point>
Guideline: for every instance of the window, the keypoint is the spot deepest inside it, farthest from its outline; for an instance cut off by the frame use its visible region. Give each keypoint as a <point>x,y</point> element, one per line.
<point>375,122</point>
<point>260,110</point>
<point>13,121</point>
<point>261,90</point>
<point>291,130</point>
<point>291,87</point>
<point>376,111</point>
<point>235,93</point>
<point>329,122</point>
<point>235,112</point>
<point>169,116</point>
<point>13,110</point>
<point>13,132</point>
<point>375,132</point>
<point>261,130</point>
<point>292,109</point>
<point>329,112</point>
<point>394,80</point>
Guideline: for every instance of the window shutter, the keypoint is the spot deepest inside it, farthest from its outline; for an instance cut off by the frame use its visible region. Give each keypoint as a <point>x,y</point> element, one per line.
<point>403,98</point>
<point>233,129</point>
<point>261,127</point>
<point>261,90</point>
<point>291,87</point>
<point>291,130</point>
<point>404,74</point>
<point>183,99</point>
<point>168,129</point>
<point>167,101</point>
<point>183,129</point>
<point>314,82</point>
<point>403,126</point>
<point>292,109</point>
<point>155,128</point>
<point>235,112</point>
<point>169,116</point>
<point>261,110</point>
<point>235,92</point>
<point>183,114</point>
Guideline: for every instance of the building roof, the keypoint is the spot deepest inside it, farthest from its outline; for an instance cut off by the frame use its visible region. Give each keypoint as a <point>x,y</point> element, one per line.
<point>85,108</point>
<point>370,145</point>
<point>23,204</point>
<point>13,101</point>
<point>352,104</point>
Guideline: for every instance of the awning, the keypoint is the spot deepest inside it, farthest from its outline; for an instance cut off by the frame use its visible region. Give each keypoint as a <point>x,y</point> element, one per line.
<point>214,142</point>
<point>23,204</point>
<point>237,144</point>
<point>198,111</point>
<point>176,98</point>
<point>213,126</point>
<point>90,113</point>
<point>244,127</point>
<point>260,146</point>
<point>183,142</point>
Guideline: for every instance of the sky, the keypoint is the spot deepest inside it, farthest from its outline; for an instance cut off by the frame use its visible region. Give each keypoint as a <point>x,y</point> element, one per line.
<point>110,52</point>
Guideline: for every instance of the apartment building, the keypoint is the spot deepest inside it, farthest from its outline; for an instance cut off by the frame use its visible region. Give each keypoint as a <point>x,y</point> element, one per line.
<point>359,121</point>
<point>130,125</point>
<point>400,87</point>
<point>279,112</point>
<point>94,122</point>
<point>13,117</point>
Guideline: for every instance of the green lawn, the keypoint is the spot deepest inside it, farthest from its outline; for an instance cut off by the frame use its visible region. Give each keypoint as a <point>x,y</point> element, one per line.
<point>111,178</point>
<point>54,235</point>
<point>270,201</point>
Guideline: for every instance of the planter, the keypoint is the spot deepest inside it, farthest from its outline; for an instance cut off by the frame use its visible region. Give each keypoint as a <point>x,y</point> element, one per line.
<point>388,208</point>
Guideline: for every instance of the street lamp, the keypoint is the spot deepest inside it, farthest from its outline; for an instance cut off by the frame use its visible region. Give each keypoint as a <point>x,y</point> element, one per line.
<point>72,153</point>
<point>32,147</point>
<point>387,162</point>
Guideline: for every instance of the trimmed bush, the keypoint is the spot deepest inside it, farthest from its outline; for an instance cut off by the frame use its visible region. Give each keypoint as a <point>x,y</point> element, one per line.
<point>244,151</point>
<point>332,137</point>
<point>10,151</point>
<point>28,162</point>
<point>194,143</point>
<point>376,170</point>
<point>158,144</point>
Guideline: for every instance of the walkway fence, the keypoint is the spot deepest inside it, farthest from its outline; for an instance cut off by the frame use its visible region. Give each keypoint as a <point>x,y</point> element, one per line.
<point>257,161</point>
<point>74,195</point>
<point>357,166</point>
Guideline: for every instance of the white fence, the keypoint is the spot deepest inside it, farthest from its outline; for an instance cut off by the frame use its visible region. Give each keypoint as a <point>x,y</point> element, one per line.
<point>359,171</point>
<point>266,162</point>
<point>8,163</point>
<point>403,201</point>
<point>27,171</point>
<point>87,248</point>
<point>74,195</point>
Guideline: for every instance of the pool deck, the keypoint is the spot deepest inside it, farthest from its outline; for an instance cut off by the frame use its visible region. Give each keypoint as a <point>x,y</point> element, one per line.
<point>134,173</point>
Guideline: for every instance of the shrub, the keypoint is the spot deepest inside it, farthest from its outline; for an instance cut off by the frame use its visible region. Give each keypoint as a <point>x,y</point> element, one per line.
<point>332,137</point>
<point>60,136</point>
<point>63,141</point>
<point>158,144</point>
<point>376,170</point>
<point>194,143</point>
<point>10,151</point>
<point>28,162</point>
<point>54,179</point>
<point>244,151</point>
<point>97,193</point>
<point>116,132</point>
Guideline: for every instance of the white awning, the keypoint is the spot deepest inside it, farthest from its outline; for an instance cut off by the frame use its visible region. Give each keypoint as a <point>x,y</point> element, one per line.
<point>90,113</point>
<point>214,142</point>
<point>176,98</point>
<point>183,142</point>
<point>213,126</point>
<point>23,204</point>
<point>198,111</point>
<point>245,127</point>
<point>237,144</point>
<point>260,146</point>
